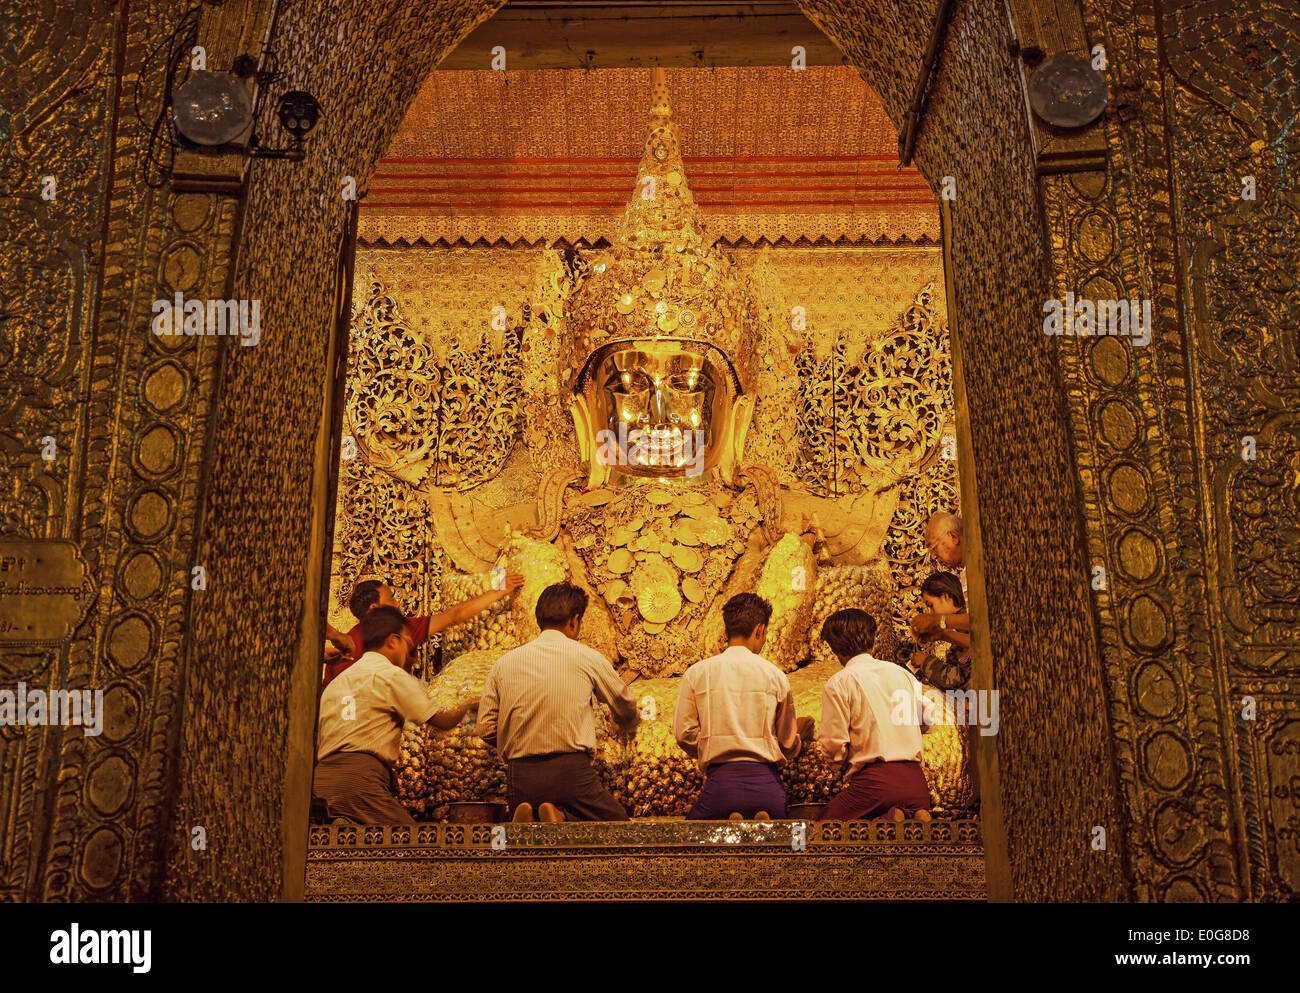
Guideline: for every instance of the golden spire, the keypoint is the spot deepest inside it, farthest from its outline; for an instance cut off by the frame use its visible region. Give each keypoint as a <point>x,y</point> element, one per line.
<point>662,213</point>
<point>663,277</point>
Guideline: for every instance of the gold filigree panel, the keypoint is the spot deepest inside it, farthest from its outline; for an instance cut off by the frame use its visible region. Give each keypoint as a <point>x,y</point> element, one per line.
<point>448,419</point>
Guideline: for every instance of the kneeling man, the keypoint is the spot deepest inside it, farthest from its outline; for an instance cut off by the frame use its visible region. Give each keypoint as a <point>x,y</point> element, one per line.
<point>362,713</point>
<point>873,714</point>
<point>536,709</point>
<point>735,716</point>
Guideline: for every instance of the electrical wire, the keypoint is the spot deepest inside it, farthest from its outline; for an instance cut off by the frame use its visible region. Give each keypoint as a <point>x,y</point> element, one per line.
<point>160,149</point>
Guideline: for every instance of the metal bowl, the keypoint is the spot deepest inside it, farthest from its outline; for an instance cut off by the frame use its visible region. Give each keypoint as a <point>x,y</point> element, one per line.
<point>477,812</point>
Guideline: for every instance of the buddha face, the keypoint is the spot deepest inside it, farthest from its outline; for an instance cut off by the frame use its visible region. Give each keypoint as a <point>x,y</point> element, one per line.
<point>655,408</point>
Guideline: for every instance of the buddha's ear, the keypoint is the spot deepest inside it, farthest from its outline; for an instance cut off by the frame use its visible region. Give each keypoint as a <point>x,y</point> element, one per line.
<point>733,442</point>
<point>589,448</point>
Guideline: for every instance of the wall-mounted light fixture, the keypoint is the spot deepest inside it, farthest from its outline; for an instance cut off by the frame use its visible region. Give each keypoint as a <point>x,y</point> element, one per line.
<point>213,111</point>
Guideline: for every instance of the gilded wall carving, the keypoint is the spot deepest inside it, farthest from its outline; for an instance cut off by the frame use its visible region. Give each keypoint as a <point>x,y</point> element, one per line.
<point>1159,447</point>
<point>1086,451</point>
<point>126,410</point>
<point>1241,307</point>
<point>258,474</point>
<point>447,416</point>
<point>746,861</point>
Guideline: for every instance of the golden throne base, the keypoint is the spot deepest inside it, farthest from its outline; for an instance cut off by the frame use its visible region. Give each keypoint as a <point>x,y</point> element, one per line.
<point>669,860</point>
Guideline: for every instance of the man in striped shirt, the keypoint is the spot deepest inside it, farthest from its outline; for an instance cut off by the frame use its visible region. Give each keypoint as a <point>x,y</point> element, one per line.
<point>536,709</point>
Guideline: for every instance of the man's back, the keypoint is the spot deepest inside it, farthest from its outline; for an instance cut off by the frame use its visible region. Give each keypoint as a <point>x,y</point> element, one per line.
<point>365,707</point>
<point>876,707</point>
<point>537,700</point>
<point>736,707</point>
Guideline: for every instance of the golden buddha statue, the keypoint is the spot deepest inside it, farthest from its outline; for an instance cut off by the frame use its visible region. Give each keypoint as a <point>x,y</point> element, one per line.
<point>655,345</point>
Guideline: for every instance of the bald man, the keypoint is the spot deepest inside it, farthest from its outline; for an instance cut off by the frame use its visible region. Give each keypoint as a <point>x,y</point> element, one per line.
<point>943,538</point>
<point>943,535</point>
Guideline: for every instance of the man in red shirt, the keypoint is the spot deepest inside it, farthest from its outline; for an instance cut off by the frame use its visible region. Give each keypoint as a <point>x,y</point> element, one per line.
<point>373,593</point>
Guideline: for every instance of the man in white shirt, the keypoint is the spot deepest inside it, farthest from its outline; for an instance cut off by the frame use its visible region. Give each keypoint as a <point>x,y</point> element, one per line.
<point>735,716</point>
<point>362,713</point>
<point>536,709</point>
<point>873,716</point>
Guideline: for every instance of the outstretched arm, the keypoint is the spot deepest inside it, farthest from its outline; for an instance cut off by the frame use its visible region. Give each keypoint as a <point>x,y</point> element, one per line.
<point>339,640</point>
<point>929,625</point>
<point>462,612</point>
<point>445,720</point>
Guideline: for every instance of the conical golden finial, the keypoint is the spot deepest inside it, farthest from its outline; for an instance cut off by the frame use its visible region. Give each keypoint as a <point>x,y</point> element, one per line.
<point>659,105</point>
<point>662,214</point>
<point>664,276</point>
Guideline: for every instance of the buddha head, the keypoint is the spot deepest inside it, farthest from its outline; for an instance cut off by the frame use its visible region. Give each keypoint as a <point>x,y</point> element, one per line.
<point>660,334</point>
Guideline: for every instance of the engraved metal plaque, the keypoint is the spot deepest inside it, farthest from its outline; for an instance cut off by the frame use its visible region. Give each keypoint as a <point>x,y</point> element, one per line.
<point>43,591</point>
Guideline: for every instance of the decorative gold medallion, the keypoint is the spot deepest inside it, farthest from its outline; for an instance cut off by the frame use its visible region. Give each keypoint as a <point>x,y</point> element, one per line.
<point>684,533</point>
<point>596,498</point>
<point>620,561</point>
<point>687,559</point>
<point>659,496</point>
<point>713,532</point>
<point>620,594</point>
<point>658,603</point>
<point>692,589</point>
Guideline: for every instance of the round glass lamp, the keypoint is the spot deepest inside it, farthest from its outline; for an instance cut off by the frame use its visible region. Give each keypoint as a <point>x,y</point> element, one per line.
<point>212,108</point>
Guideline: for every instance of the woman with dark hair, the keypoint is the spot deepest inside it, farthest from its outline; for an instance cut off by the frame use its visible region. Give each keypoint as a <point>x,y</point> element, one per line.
<point>943,596</point>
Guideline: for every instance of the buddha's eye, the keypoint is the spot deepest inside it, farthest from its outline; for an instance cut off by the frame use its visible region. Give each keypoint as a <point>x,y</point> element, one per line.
<point>686,382</point>
<point>628,381</point>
